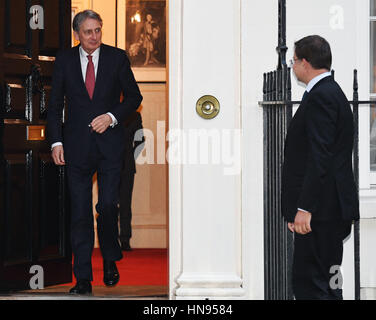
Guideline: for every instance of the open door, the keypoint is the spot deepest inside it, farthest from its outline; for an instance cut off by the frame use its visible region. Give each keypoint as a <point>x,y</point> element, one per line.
<point>34,211</point>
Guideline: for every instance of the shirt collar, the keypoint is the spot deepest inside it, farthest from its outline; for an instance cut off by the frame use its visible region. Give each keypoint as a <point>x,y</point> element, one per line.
<point>95,54</point>
<point>316,79</point>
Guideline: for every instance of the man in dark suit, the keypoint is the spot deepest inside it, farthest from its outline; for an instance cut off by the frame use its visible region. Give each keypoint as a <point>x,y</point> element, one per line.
<point>134,140</point>
<point>91,78</point>
<point>319,195</point>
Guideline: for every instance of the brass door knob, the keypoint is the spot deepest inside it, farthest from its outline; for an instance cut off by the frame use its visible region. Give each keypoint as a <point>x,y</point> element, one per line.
<point>207,107</point>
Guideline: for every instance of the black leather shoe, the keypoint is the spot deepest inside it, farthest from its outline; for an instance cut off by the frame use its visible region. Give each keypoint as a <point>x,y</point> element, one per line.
<point>125,246</point>
<point>110,273</point>
<point>82,287</point>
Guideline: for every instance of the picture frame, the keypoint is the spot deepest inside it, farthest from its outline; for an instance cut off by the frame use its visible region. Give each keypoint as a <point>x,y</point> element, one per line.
<point>142,33</point>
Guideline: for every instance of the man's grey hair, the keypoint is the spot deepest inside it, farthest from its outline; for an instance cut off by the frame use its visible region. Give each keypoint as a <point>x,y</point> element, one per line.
<point>82,16</point>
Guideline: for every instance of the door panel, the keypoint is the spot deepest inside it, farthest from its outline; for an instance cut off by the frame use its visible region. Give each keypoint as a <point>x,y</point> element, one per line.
<point>18,240</point>
<point>16,94</point>
<point>52,210</point>
<point>56,33</point>
<point>34,207</point>
<point>17,33</point>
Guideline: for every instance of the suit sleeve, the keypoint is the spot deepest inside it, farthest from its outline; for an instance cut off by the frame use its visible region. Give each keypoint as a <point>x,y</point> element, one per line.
<point>56,103</point>
<point>320,123</point>
<point>132,95</point>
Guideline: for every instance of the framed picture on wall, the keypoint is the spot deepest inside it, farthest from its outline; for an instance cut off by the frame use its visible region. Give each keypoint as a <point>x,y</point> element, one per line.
<point>142,33</point>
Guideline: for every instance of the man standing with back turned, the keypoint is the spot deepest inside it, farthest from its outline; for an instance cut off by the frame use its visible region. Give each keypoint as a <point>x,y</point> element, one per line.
<point>91,77</point>
<point>319,196</point>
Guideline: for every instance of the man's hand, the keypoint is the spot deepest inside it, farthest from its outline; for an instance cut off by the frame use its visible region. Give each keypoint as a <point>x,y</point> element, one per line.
<point>101,123</point>
<point>58,155</point>
<point>302,223</point>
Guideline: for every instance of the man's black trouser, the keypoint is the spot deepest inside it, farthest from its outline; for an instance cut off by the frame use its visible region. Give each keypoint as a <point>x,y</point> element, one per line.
<point>82,221</point>
<point>317,258</point>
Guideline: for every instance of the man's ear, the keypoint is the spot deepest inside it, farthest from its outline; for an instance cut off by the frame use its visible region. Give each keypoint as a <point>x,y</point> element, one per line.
<point>305,63</point>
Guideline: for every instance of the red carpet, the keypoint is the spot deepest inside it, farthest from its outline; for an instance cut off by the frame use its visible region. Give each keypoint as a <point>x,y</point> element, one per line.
<point>138,267</point>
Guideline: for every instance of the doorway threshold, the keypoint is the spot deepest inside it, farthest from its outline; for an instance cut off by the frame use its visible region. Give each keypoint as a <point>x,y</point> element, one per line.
<point>99,293</point>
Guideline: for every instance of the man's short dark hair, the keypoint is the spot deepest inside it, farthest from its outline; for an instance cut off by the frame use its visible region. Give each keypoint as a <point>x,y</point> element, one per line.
<point>316,50</point>
<point>82,16</point>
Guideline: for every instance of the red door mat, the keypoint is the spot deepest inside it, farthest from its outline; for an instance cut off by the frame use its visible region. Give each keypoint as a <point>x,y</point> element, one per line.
<point>139,267</point>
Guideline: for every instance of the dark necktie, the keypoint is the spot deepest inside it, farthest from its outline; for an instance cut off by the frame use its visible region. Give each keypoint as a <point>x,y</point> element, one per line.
<point>90,77</point>
<point>304,95</point>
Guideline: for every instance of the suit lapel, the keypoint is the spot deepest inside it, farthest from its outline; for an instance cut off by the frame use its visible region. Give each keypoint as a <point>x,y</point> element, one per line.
<point>100,73</point>
<point>78,70</point>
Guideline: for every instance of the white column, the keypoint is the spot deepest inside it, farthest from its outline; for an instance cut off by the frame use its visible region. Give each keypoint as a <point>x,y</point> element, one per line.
<point>205,194</point>
<point>259,40</point>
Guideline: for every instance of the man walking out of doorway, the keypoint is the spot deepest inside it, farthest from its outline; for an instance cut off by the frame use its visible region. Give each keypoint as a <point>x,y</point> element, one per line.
<point>90,78</point>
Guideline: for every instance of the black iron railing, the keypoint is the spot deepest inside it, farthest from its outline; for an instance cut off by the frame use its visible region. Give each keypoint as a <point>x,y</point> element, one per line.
<point>278,241</point>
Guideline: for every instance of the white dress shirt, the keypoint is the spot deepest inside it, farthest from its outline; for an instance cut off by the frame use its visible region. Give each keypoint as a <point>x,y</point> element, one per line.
<point>316,79</point>
<point>84,62</point>
<point>309,87</point>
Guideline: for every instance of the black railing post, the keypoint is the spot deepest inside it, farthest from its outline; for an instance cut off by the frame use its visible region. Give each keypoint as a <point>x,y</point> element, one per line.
<point>277,238</point>
<point>282,48</point>
<point>356,177</point>
<point>289,235</point>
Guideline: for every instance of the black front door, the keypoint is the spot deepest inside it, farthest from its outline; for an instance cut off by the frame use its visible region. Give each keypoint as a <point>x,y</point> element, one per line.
<point>34,215</point>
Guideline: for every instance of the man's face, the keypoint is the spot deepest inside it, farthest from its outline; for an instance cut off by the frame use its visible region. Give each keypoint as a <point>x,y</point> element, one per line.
<point>90,35</point>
